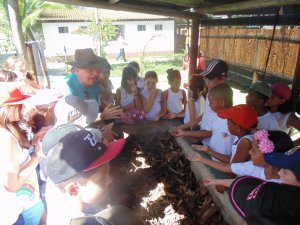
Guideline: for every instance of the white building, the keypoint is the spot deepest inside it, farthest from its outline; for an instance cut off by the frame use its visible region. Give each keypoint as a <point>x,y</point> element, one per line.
<point>139,30</point>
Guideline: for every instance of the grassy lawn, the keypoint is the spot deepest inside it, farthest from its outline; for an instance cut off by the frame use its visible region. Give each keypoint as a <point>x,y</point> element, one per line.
<point>160,65</point>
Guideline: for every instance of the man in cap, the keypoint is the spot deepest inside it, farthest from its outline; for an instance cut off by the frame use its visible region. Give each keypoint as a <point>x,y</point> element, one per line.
<point>84,81</point>
<point>258,94</point>
<point>77,166</point>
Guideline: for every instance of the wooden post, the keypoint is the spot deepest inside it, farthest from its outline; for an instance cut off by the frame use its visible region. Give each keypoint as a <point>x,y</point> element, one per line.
<point>194,46</point>
<point>296,84</point>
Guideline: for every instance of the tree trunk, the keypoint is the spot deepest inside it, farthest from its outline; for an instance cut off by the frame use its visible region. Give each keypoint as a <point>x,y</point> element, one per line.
<point>16,29</point>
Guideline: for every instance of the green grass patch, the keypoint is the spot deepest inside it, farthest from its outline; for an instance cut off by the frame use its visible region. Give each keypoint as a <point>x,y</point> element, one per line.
<point>159,66</point>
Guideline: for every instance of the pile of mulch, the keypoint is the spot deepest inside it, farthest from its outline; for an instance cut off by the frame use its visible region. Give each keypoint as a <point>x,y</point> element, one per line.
<point>154,179</point>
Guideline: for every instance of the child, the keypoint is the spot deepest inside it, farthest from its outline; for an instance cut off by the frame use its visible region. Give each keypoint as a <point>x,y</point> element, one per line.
<point>264,142</point>
<point>215,74</point>
<point>241,120</point>
<point>106,87</point>
<point>195,105</point>
<point>260,202</point>
<point>151,97</point>
<point>128,95</point>
<point>281,107</point>
<point>174,98</point>
<point>258,95</point>
<point>220,97</point>
<point>8,76</point>
<point>140,80</point>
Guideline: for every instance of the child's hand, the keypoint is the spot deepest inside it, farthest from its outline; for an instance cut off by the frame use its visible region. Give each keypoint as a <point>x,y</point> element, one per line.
<point>156,119</point>
<point>111,112</point>
<point>134,89</point>
<point>201,148</point>
<point>177,132</point>
<point>170,115</point>
<point>210,182</point>
<point>195,157</point>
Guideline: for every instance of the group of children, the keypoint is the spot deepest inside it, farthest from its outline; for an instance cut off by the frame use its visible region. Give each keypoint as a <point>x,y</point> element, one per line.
<point>156,104</point>
<point>244,139</point>
<point>238,140</point>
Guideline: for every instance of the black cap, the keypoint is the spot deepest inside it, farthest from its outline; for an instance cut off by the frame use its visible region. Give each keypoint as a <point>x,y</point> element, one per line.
<point>216,68</point>
<point>261,202</point>
<point>78,151</point>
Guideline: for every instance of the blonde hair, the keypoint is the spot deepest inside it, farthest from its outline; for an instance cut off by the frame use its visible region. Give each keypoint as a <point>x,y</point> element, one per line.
<point>13,126</point>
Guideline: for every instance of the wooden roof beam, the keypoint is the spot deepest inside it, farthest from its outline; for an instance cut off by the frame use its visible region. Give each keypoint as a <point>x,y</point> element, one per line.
<point>244,5</point>
<point>255,20</point>
<point>131,8</point>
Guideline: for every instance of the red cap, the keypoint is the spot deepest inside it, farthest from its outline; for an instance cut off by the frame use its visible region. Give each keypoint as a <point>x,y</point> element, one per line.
<point>281,90</point>
<point>243,115</point>
<point>12,96</point>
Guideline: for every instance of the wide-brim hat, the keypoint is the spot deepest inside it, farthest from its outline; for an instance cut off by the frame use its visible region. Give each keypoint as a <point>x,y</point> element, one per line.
<point>86,59</point>
<point>72,109</point>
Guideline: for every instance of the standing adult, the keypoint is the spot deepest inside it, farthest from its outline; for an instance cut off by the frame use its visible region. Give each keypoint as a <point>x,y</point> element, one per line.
<point>121,44</point>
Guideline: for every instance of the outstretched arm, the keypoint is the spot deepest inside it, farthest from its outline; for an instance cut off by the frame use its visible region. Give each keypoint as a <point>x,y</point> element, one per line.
<point>213,182</point>
<point>223,167</point>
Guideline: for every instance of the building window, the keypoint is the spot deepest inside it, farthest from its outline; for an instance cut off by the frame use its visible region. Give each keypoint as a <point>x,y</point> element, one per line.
<point>141,27</point>
<point>158,27</point>
<point>63,30</point>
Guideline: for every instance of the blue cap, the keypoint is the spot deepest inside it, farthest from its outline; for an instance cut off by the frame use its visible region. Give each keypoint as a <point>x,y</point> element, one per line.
<point>289,160</point>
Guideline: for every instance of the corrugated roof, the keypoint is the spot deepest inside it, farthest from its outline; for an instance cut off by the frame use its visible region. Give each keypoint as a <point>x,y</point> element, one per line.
<point>89,15</point>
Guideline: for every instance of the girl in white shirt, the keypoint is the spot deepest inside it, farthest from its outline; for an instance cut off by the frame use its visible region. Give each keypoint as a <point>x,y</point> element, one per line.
<point>195,105</point>
<point>128,95</point>
<point>281,107</point>
<point>151,97</point>
<point>174,98</point>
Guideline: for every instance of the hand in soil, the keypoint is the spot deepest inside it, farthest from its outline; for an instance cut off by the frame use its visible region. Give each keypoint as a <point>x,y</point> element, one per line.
<point>195,157</point>
<point>201,148</point>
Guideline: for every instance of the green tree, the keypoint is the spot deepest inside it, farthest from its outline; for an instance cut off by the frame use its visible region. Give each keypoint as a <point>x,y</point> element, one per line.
<point>102,33</point>
<point>6,42</point>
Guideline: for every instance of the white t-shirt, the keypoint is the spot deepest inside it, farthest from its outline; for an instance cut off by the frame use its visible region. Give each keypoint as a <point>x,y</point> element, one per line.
<point>267,122</point>
<point>140,83</point>
<point>282,120</point>
<point>221,139</point>
<point>156,107</point>
<point>174,101</point>
<point>236,142</point>
<point>247,168</point>
<point>126,99</point>
<point>199,106</point>
<point>207,118</point>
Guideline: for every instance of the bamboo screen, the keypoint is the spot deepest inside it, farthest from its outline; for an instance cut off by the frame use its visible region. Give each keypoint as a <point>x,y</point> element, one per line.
<point>250,48</point>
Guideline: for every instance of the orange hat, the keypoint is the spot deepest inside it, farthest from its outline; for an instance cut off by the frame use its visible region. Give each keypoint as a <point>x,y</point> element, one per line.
<point>13,96</point>
<point>243,115</point>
